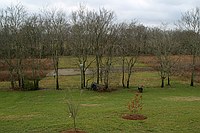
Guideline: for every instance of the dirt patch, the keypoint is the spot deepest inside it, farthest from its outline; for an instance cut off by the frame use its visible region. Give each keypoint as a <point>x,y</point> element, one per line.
<point>187,99</point>
<point>97,98</point>
<point>134,117</point>
<point>72,131</point>
<point>89,105</point>
<point>75,71</point>
<point>68,72</point>
<point>18,117</point>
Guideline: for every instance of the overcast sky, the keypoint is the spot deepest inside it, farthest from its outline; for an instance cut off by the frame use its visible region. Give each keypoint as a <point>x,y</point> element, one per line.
<point>147,12</point>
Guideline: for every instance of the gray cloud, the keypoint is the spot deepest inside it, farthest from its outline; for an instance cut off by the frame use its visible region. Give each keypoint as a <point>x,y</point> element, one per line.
<point>148,12</point>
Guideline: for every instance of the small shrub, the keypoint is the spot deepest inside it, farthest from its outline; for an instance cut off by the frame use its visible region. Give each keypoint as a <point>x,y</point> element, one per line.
<point>135,105</point>
<point>31,85</point>
<point>73,108</point>
<point>28,85</point>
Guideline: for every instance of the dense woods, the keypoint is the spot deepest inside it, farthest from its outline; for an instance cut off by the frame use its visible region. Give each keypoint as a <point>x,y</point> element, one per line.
<point>51,34</point>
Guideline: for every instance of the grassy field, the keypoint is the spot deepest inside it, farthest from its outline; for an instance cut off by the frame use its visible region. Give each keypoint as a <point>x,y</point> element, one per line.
<point>169,110</point>
<point>173,109</point>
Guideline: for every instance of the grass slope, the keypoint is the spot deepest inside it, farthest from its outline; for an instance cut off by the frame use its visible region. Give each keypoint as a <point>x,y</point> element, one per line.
<point>169,110</point>
<point>45,111</point>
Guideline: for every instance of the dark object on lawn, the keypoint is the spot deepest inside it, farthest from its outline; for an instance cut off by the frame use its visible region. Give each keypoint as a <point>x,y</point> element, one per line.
<point>134,117</point>
<point>97,87</point>
<point>94,86</point>
<point>140,89</point>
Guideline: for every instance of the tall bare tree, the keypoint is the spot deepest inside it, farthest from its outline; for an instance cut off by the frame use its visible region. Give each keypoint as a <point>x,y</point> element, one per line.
<point>55,31</point>
<point>12,19</point>
<point>81,40</point>
<point>31,32</point>
<point>131,41</point>
<point>7,48</point>
<point>163,47</point>
<point>110,48</point>
<point>101,22</point>
<point>190,21</point>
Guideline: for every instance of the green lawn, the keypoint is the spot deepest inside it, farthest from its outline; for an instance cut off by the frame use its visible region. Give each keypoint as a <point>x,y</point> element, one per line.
<point>169,110</point>
<point>68,62</point>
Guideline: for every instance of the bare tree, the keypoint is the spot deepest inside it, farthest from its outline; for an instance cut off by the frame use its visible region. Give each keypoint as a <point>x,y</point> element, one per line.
<point>122,50</point>
<point>31,33</point>
<point>131,40</point>
<point>101,22</point>
<point>163,47</point>
<point>12,19</point>
<point>190,21</point>
<point>55,31</point>
<point>109,51</point>
<point>7,52</point>
<point>81,40</point>
<point>91,31</point>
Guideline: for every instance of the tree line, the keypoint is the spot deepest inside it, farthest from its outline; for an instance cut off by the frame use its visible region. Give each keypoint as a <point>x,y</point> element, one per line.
<point>52,33</point>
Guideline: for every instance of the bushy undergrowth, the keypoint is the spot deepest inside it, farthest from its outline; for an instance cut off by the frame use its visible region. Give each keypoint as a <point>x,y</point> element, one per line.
<point>30,85</point>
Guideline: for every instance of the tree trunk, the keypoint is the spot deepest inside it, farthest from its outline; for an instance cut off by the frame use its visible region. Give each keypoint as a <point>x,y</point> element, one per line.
<point>84,78</point>
<point>82,84</point>
<point>12,79</point>
<point>98,65</point>
<point>36,84</point>
<point>56,67</point>
<point>168,81</point>
<point>101,74</point>
<point>130,67</point>
<point>23,83</point>
<point>19,74</point>
<point>127,84</point>
<point>106,81</point>
<point>163,82</point>
<point>34,73</point>
<point>123,72</point>
<point>20,80</point>
<point>12,83</point>
<point>193,70</point>
<point>57,81</point>
<point>192,79</point>
<point>128,80</point>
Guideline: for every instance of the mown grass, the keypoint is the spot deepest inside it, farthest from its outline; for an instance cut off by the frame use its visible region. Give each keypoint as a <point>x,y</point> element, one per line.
<point>168,110</point>
<point>147,79</point>
<point>45,111</point>
<point>68,62</point>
